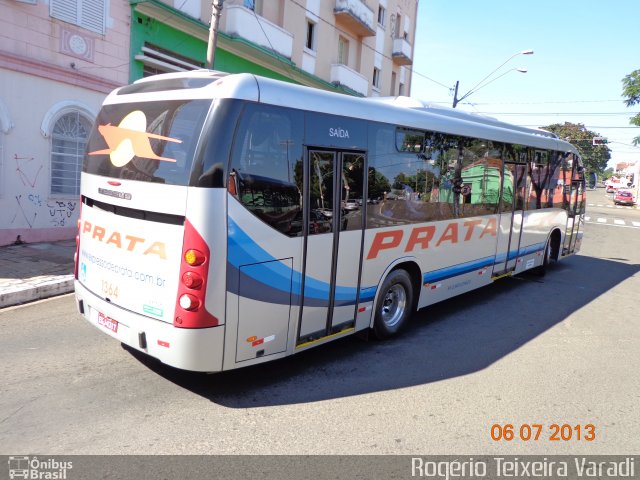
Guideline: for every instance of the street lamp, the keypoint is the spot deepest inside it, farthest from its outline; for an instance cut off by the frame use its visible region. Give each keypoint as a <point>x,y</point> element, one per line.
<point>483,83</point>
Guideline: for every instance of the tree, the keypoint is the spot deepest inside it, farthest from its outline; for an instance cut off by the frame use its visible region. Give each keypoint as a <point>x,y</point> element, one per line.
<point>631,91</point>
<point>608,173</point>
<point>594,157</point>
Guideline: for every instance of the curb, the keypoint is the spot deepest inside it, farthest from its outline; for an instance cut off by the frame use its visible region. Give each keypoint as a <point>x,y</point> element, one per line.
<point>23,294</point>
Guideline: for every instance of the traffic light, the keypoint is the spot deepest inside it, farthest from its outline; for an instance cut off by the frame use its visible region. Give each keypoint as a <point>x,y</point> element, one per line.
<point>599,141</point>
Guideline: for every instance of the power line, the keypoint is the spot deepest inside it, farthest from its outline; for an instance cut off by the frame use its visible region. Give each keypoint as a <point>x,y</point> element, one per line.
<point>430,79</point>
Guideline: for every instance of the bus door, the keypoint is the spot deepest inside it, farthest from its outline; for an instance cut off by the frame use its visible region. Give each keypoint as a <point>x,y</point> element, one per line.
<point>333,242</point>
<point>576,207</point>
<point>512,199</point>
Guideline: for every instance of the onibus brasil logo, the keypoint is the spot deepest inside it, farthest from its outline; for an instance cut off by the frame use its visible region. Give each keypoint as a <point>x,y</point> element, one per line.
<point>34,468</point>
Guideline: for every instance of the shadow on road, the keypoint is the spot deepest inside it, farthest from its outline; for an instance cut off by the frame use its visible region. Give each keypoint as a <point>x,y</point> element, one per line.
<point>457,337</point>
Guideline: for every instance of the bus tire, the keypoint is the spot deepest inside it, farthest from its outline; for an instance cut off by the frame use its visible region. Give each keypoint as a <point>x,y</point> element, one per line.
<point>541,271</point>
<point>394,305</point>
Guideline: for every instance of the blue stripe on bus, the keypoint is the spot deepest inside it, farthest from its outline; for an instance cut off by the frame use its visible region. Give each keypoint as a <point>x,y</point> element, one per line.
<point>472,266</point>
<point>461,269</point>
<point>272,281</point>
<point>537,247</point>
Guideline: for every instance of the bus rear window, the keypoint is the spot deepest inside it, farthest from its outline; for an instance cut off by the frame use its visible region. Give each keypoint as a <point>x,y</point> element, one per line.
<point>151,141</point>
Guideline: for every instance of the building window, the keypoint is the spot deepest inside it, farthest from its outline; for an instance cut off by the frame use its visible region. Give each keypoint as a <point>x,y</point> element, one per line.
<point>311,36</point>
<point>401,89</point>
<point>190,7</point>
<point>255,5</point>
<point>343,51</point>
<point>68,141</point>
<point>159,60</point>
<point>376,77</point>
<point>396,29</point>
<point>89,14</point>
<point>382,13</point>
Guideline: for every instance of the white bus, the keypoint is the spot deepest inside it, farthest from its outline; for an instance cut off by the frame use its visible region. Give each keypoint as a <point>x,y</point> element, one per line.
<point>229,220</point>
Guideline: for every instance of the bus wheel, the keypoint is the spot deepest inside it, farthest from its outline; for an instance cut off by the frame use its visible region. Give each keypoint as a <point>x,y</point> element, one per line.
<point>394,304</point>
<point>541,271</point>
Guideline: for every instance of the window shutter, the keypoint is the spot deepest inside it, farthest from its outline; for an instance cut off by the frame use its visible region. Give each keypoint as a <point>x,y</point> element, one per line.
<point>65,10</point>
<point>92,15</point>
<point>89,14</point>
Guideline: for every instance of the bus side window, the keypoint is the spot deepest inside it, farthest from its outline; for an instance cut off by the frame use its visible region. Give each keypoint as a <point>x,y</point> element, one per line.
<point>266,166</point>
<point>539,181</point>
<point>409,175</point>
<point>481,164</point>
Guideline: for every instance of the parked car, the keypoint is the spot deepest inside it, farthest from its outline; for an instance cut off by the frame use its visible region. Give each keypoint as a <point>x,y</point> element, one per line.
<point>624,197</point>
<point>318,223</point>
<point>351,204</point>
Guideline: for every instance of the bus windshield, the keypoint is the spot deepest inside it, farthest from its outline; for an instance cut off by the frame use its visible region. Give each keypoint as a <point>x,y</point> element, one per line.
<point>151,141</point>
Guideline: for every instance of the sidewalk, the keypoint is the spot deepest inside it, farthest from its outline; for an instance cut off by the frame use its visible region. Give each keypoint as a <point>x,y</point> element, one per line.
<point>33,271</point>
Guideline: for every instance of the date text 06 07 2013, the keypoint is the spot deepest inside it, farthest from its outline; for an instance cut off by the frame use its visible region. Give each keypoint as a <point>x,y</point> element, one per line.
<point>555,432</point>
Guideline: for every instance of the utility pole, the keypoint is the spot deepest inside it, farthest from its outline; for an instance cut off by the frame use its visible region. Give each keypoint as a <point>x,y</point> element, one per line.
<point>216,11</point>
<point>485,81</point>
<point>455,94</point>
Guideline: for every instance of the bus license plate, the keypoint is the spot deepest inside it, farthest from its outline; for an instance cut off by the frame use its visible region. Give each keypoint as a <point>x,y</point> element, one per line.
<point>108,323</point>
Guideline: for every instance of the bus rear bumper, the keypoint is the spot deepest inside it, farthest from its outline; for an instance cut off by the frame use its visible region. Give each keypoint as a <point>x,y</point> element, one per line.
<point>195,349</point>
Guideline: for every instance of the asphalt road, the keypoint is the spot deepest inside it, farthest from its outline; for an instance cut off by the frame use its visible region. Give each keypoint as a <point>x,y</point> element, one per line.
<point>562,349</point>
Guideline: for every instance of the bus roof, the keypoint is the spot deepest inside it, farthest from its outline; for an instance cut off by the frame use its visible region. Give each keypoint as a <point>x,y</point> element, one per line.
<point>403,111</point>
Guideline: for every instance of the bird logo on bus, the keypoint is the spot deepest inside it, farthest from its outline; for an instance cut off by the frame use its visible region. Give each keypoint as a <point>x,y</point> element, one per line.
<point>129,139</point>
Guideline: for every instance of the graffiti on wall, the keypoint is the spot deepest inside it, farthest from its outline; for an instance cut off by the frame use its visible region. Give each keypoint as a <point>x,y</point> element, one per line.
<point>30,205</point>
<point>28,170</point>
<point>61,212</point>
<point>25,212</point>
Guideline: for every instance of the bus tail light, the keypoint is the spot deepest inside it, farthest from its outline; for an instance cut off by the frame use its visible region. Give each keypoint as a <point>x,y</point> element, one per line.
<point>192,280</point>
<point>189,302</point>
<point>190,311</point>
<point>194,257</point>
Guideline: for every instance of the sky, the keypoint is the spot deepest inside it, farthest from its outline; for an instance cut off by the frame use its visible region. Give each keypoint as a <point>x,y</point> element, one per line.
<point>582,51</point>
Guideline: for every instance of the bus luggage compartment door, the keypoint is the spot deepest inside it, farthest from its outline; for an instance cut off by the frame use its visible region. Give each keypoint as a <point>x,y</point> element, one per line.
<point>263,327</point>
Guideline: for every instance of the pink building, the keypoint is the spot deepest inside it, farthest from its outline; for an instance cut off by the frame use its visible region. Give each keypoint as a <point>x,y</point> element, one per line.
<point>58,60</point>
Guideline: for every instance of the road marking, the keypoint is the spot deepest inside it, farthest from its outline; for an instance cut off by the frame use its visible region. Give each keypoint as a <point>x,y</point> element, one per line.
<point>617,223</point>
<point>610,206</point>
